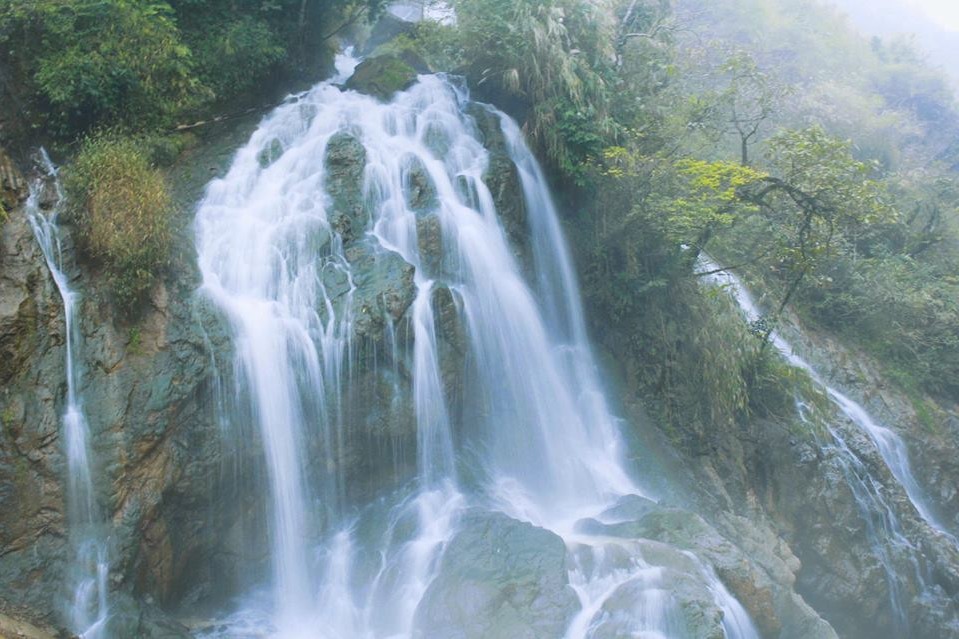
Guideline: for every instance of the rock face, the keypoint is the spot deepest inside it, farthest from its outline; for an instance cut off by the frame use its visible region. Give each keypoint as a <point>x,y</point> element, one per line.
<point>929,427</point>
<point>779,488</point>
<point>498,578</point>
<point>382,76</point>
<point>12,185</point>
<point>145,393</point>
<point>32,530</point>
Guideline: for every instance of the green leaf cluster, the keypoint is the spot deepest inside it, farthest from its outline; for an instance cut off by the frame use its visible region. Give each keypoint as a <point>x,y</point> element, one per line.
<point>139,64</point>
<point>117,61</point>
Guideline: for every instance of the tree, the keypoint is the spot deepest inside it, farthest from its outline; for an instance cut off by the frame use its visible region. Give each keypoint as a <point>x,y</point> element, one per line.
<point>116,60</point>
<point>750,99</point>
<point>820,194</point>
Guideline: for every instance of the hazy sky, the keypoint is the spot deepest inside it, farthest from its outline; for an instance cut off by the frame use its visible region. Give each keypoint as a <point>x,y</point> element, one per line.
<point>945,12</point>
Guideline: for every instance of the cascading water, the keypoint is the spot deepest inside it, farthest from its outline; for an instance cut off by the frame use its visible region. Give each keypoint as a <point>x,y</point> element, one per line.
<point>890,445</point>
<point>87,610</point>
<point>882,522</point>
<point>537,442</point>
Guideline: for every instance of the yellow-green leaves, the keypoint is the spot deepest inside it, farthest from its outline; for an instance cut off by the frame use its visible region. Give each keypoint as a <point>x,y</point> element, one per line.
<point>707,198</point>
<point>123,211</point>
<point>690,197</point>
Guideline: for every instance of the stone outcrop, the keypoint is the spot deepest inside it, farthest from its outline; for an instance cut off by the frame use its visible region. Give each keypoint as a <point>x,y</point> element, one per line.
<point>382,76</point>
<point>498,578</point>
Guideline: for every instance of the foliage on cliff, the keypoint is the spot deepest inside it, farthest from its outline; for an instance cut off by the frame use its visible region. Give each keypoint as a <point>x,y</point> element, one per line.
<point>139,63</point>
<point>122,210</point>
<point>137,68</point>
<point>766,132</point>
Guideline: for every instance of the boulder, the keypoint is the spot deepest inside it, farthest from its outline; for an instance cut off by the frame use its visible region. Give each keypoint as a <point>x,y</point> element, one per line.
<point>499,577</point>
<point>345,161</point>
<point>382,77</point>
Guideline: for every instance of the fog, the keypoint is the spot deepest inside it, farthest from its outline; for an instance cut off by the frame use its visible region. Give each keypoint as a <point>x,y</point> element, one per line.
<point>933,23</point>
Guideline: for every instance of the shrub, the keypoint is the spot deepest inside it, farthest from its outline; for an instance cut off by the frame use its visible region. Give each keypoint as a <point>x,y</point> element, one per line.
<point>548,58</point>
<point>123,212</point>
<point>92,62</point>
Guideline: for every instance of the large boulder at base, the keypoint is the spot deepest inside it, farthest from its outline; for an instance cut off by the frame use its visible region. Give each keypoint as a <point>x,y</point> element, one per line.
<point>499,577</point>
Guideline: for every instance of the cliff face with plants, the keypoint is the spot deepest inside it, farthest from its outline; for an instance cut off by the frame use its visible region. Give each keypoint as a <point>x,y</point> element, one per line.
<point>785,468</point>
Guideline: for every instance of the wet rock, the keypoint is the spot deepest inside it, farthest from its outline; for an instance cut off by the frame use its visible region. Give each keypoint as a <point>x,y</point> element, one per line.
<point>452,346</point>
<point>502,180</point>
<point>384,288</point>
<point>418,188</point>
<point>670,595</point>
<point>13,186</point>
<point>270,153</point>
<point>498,578</point>
<point>429,240</point>
<point>382,76</point>
<point>345,161</point>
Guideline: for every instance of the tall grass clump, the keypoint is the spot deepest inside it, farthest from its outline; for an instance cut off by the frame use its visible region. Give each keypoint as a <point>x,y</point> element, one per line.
<point>123,212</point>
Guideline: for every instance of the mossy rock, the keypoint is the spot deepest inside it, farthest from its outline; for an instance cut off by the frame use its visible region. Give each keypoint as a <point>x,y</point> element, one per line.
<point>498,577</point>
<point>345,163</point>
<point>382,76</point>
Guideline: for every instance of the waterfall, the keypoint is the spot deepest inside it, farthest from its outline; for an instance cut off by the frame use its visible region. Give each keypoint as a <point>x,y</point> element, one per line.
<point>537,440</point>
<point>87,582</point>
<point>882,522</point>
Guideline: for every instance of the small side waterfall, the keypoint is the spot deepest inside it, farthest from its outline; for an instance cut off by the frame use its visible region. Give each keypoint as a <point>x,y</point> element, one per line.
<point>87,581</point>
<point>890,445</point>
<point>882,522</point>
<point>536,441</point>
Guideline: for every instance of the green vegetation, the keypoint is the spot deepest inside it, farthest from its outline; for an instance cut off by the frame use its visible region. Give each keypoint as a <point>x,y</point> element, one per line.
<point>92,62</point>
<point>123,213</point>
<point>141,63</point>
<point>546,60</point>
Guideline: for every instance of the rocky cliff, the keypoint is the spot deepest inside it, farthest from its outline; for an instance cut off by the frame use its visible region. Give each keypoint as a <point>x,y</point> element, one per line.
<point>769,507</point>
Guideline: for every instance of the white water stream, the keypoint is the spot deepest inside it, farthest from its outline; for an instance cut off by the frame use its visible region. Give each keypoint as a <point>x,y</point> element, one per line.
<point>87,610</point>
<point>544,448</point>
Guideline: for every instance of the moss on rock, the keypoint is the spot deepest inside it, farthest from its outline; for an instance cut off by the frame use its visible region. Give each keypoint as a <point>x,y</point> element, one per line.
<point>382,76</point>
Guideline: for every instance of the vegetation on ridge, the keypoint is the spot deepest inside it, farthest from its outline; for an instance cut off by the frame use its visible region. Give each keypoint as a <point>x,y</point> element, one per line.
<point>137,68</point>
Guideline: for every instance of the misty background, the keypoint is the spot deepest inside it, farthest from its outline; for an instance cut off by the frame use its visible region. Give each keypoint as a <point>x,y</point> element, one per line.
<point>934,26</point>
